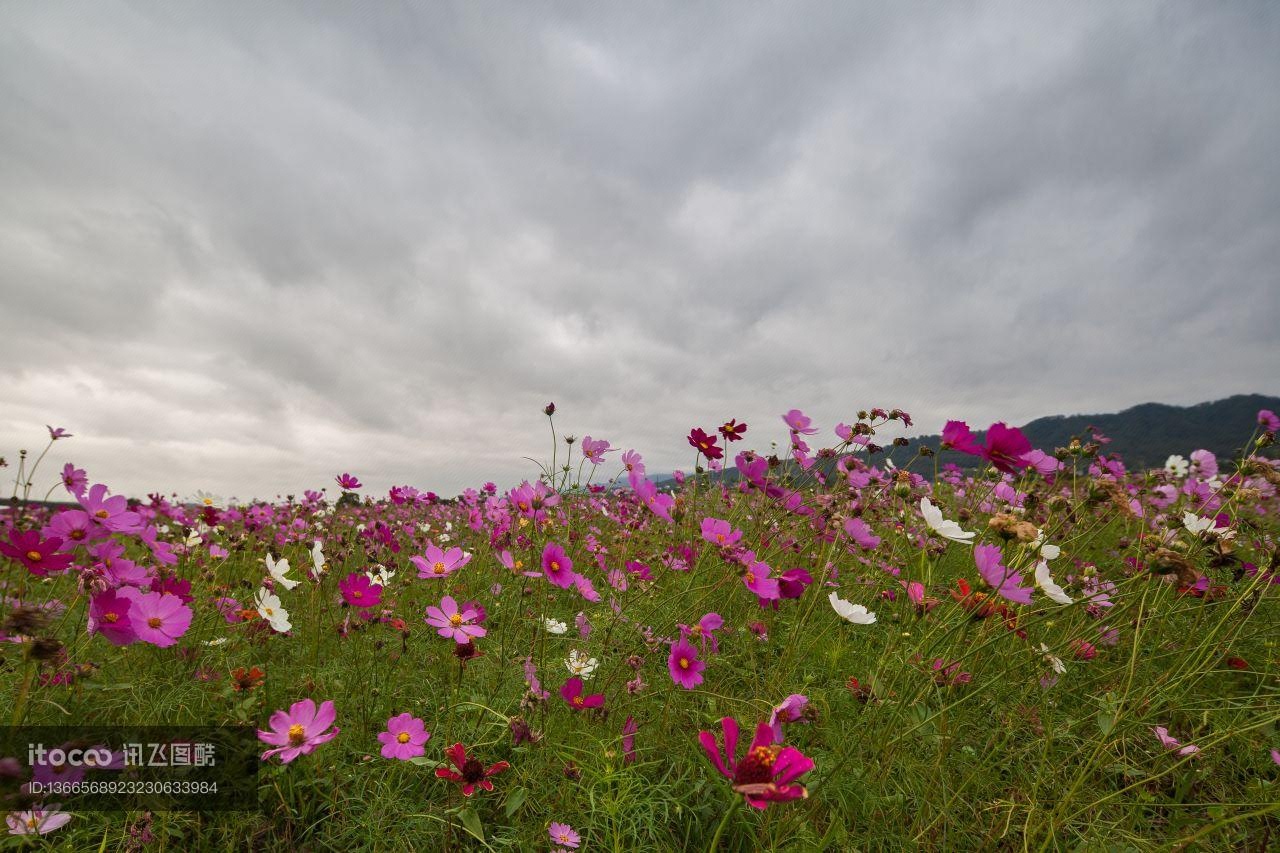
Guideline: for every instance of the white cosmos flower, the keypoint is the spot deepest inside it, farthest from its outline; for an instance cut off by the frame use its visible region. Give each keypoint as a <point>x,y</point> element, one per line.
<point>1177,465</point>
<point>269,608</point>
<point>317,559</point>
<point>1196,524</point>
<point>555,626</point>
<point>1047,551</point>
<point>1055,662</point>
<point>278,569</point>
<point>581,665</point>
<point>382,576</point>
<point>944,528</point>
<point>1046,583</point>
<point>855,613</point>
<point>204,499</point>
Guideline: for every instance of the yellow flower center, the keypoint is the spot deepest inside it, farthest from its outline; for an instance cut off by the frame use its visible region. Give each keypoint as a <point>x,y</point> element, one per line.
<point>35,556</point>
<point>155,622</point>
<point>455,620</point>
<point>766,755</point>
<point>403,737</point>
<point>577,700</point>
<point>437,567</point>
<point>555,565</point>
<point>720,538</point>
<point>751,577</point>
<point>297,734</point>
<point>111,617</point>
<point>102,513</point>
<point>684,663</point>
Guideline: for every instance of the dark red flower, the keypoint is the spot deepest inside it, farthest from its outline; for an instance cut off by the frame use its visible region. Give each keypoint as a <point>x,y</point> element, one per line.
<point>470,773</point>
<point>40,558</point>
<point>704,444</point>
<point>732,430</point>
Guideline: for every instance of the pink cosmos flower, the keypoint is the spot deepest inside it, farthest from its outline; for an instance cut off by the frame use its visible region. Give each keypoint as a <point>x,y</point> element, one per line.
<point>1006,446</point>
<point>157,618</point>
<point>659,503</point>
<point>470,773</point>
<point>74,527</point>
<point>109,513</point>
<point>57,433</point>
<point>571,693</point>
<point>347,482</point>
<point>1268,420</point>
<point>36,821</point>
<point>798,422</point>
<point>791,709</point>
<point>582,583</point>
<point>630,727</point>
<point>859,531</point>
<point>1171,743</point>
<point>768,771</point>
<point>684,666</point>
<point>439,563</point>
<point>452,622</point>
<point>300,730</point>
<point>633,463</point>
<point>557,566</point>
<point>705,630</point>
<point>109,616</point>
<point>359,591</point>
<point>40,557</point>
<point>594,450</point>
<point>563,834</point>
<point>756,578</point>
<point>405,737</point>
<point>956,435</point>
<point>1006,582</point>
<point>75,479</point>
<point>720,533</point>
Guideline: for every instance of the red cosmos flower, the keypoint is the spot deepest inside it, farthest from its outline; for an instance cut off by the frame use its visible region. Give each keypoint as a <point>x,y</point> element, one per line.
<point>571,692</point>
<point>766,773</point>
<point>704,444</point>
<point>470,773</point>
<point>732,430</point>
<point>40,558</point>
<point>246,679</point>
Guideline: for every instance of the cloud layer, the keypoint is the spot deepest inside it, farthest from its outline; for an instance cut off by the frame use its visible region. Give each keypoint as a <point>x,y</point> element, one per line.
<point>244,250</point>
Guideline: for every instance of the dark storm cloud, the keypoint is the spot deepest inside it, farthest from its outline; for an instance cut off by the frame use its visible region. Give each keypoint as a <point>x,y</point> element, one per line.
<point>245,248</point>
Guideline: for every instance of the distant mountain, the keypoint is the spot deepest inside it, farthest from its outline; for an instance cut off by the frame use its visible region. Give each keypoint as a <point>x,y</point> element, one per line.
<point>1145,435</point>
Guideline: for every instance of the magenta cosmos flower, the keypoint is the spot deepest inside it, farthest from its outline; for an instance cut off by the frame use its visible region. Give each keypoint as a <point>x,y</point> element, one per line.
<point>571,692</point>
<point>299,731</point>
<point>1006,582</point>
<point>40,557</point>
<point>470,773</point>
<point>452,622</point>
<point>595,449</point>
<point>358,591</point>
<point>768,771</point>
<point>158,618</point>
<point>732,430</point>
<point>348,482</point>
<point>37,821</point>
<point>704,444</point>
<point>684,666</point>
<point>109,616</point>
<point>564,835</point>
<point>557,566</point>
<point>405,737</point>
<point>109,513</point>
<point>439,563</point>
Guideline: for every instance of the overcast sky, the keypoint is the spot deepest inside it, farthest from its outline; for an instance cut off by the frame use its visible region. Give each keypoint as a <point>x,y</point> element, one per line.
<point>244,247</point>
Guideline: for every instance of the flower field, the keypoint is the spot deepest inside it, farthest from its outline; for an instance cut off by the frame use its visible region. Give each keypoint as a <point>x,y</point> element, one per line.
<point>835,644</point>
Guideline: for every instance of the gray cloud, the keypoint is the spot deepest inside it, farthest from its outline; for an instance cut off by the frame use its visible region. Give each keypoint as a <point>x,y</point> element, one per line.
<point>244,249</point>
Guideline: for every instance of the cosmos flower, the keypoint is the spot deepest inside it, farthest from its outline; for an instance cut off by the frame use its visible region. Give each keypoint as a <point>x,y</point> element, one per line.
<point>109,616</point>
<point>684,666</point>
<point>557,566</point>
<point>855,613</point>
<point>300,730</point>
<point>41,557</point>
<point>438,563</point>
<point>720,533</point>
<point>733,431</point>
<point>1171,743</point>
<point>766,774</point>
<point>579,664</point>
<point>451,622</point>
<point>704,444</point>
<point>470,773</point>
<point>1006,582</point>
<point>571,693</point>
<point>158,618</point>
<point>347,482</point>
<point>564,835</point>
<point>943,527</point>
<point>1046,583</point>
<point>36,821</point>
<point>798,422</point>
<point>74,479</point>
<point>269,608</point>
<point>594,449</point>
<point>405,737</point>
<point>554,626</point>
<point>359,591</point>
<point>279,569</point>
